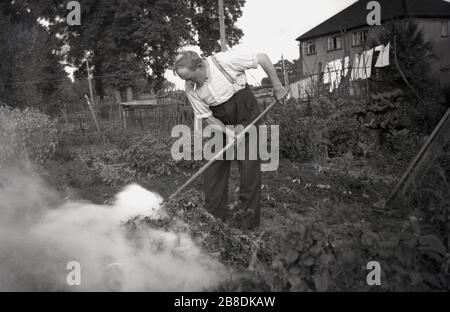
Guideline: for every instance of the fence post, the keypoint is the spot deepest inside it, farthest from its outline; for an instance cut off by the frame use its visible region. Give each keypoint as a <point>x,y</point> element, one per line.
<point>91,109</point>
<point>81,124</point>
<point>140,121</point>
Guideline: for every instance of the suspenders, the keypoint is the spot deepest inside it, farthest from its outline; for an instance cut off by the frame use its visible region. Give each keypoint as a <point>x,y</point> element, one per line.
<point>222,70</point>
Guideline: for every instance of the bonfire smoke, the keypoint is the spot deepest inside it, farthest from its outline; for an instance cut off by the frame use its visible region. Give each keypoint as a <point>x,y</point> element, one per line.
<point>40,235</point>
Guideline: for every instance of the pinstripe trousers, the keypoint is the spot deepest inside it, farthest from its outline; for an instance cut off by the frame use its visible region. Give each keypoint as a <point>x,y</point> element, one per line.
<point>241,109</point>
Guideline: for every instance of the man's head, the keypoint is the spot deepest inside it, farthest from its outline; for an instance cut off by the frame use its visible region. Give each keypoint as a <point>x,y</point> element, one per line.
<point>190,66</point>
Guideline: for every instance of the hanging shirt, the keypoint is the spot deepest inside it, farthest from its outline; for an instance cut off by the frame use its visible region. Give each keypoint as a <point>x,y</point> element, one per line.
<point>362,65</point>
<point>366,64</point>
<point>346,66</point>
<point>338,73</point>
<point>332,74</point>
<point>383,57</point>
<point>217,89</point>
<point>329,67</point>
<point>355,68</point>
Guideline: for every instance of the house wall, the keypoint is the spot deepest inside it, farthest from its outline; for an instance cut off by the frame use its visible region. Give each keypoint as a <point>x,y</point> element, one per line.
<point>432,32</point>
<point>311,62</point>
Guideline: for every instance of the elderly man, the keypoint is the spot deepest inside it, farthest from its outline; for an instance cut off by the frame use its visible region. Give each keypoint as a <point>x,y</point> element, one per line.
<point>218,92</point>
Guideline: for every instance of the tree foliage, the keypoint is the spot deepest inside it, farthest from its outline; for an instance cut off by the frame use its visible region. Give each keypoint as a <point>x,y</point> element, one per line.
<point>128,39</point>
<point>414,55</point>
<point>292,69</point>
<point>29,68</point>
<point>416,60</point>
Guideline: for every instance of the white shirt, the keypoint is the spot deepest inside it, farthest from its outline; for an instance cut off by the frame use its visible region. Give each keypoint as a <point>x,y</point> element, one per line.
<point>383,57</point>
<point>217,89</point>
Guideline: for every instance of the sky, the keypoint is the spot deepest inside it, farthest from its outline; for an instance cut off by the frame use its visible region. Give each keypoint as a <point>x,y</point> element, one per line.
<point>271,27</point>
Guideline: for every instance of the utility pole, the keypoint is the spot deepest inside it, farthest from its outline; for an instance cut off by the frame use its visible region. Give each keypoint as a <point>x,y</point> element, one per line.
<point>223,41</point>
<point>89,80</point>
<point>91,102</point>
<point>129,88</point>
<point>286,81</point>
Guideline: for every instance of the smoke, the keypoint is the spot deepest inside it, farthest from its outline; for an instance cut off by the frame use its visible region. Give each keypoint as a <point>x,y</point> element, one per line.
<point>41,236</point>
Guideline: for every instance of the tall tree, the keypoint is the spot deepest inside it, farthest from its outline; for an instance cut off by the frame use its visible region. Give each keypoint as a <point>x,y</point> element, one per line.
<point>415,57</point>
<point>30,70</point>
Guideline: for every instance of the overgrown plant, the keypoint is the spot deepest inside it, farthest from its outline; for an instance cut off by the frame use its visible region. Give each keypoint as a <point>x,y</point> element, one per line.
<point>26,135</point>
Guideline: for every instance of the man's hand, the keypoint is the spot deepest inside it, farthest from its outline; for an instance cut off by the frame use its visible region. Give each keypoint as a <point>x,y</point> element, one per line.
<point>279,92</point>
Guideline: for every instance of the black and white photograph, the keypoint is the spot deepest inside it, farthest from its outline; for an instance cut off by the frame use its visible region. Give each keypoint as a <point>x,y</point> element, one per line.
<point>233,148</point>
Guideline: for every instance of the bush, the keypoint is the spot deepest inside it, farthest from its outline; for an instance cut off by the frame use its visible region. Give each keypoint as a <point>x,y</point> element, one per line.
<point>150,155</point>
<point>342,135</point>
<point>107,165</point>
<point>306,138</point>
<point>26,135</point>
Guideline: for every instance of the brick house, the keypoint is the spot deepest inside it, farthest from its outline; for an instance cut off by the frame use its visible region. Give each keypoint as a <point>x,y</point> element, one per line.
<point>347,33</point>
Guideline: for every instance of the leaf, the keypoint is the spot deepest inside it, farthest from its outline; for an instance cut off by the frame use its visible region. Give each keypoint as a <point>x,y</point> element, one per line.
<point>416,278</point>
<point>322,281</point>
<point>308,261</point>
<point>432,243</point>
<point>326,259</point>
<point>295,270</point>
<point>301,230</point>
<point>431,279</point>
<point>369,238</point>
<point>315,250</point>
<point>291,256</point>
<point>297,284</point>
<point>277,265</point>
<point>435,256</point>
<point>398,269</point>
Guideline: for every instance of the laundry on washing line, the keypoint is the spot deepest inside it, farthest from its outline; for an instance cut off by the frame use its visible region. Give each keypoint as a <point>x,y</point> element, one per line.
<point>336,75</point>
<point>355,66</point>
<point>346,66</point>
<point>383,57</point>
<point>333,73</point>
<point>365,63</point>
<point>327,73</point>
<point>362,66</point>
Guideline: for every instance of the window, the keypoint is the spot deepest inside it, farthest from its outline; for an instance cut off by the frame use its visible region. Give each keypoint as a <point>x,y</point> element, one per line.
<point>309,48</point>
<point>334,43</point>
<point>359,38</point>
<point>444,28</point>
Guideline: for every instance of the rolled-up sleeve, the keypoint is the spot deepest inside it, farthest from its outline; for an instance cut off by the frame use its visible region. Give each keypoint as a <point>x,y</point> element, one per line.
<point>201,109</point>
<point>240,60</point>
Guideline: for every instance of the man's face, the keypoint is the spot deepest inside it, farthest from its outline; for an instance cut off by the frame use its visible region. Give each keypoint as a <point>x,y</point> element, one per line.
<point>197,76</point>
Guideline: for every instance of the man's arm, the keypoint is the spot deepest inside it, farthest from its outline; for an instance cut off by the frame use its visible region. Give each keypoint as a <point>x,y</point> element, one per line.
<point>278,90</point>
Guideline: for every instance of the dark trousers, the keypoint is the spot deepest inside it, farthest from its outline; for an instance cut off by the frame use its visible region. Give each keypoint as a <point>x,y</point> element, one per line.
<point>241,109</point>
